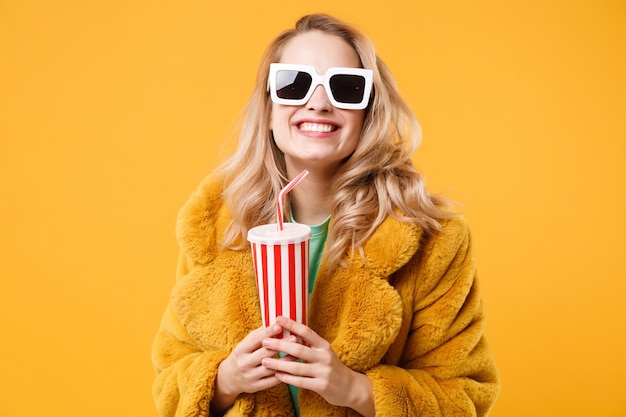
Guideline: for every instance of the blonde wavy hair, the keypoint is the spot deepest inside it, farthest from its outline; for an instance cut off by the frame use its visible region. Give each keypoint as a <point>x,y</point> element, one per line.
<point>378,180</point>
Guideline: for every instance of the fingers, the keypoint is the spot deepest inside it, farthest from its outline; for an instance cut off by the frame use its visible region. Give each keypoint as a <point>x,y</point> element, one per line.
<point>320,370</point>
<point>305,332</point>
<point>287,366</point>
<point>253,340</point>
<point>254,363</point>
<point>311,351</point>
<point>242,371</point>
<point>289,347</point>
<point>249,352</point>
<point>313,365</point>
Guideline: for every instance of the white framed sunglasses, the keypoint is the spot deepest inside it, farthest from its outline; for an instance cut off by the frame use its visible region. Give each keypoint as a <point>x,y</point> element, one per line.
<point>293,85</point>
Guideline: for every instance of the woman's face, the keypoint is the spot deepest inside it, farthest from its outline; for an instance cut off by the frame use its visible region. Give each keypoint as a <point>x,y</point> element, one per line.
<point>316,135</point>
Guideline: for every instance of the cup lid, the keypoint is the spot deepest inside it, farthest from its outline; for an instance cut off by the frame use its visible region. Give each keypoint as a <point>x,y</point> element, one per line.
<point>270,234</point>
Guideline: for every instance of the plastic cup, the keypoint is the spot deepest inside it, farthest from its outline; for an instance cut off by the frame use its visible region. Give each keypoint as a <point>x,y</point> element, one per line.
<point>281,268</point>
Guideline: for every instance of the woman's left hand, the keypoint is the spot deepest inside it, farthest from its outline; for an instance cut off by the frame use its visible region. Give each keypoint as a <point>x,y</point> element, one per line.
<point>320,370</point>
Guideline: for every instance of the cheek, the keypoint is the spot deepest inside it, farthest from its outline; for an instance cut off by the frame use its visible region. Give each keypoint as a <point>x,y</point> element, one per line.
<point>279,128</point>
<point>356,122</point>
<point>278,118</point>
<point>272,117</point>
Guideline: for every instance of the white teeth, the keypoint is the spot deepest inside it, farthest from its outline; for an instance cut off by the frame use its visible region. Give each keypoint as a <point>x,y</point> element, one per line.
<point>316,127</point>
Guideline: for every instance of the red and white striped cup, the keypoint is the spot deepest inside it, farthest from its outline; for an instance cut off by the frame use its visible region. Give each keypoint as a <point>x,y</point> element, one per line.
<point>281,268</point>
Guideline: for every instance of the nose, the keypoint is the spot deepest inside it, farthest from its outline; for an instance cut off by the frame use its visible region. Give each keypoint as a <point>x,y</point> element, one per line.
<point>319,100</point>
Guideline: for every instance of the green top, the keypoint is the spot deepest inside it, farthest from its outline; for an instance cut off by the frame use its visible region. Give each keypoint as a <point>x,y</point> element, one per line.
<point>318,240</point>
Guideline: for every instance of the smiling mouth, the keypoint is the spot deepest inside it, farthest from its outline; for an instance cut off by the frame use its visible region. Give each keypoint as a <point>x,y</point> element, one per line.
<point>317,127</point>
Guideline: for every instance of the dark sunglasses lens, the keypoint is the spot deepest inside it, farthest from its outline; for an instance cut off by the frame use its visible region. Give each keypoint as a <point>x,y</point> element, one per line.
<point>292,85</point>
<point>347,88</point>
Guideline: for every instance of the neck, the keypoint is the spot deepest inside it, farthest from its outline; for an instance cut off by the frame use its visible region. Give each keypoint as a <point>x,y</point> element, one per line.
<point>311,199</point>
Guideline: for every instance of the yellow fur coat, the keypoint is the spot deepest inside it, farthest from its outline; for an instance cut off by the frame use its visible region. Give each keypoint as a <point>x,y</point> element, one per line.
<point>410,318</point>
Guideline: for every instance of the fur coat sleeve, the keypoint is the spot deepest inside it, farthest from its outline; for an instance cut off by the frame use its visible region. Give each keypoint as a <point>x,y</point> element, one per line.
<point>408,315</point>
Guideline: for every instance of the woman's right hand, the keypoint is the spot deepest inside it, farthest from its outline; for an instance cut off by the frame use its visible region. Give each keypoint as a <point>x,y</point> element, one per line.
<point>242,371</point>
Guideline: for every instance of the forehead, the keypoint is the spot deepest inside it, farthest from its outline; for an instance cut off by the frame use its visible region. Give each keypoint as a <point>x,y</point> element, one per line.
<point>320,50</point>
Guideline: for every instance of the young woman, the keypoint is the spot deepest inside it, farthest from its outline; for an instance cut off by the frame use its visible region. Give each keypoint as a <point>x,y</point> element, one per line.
<point>395,323</point>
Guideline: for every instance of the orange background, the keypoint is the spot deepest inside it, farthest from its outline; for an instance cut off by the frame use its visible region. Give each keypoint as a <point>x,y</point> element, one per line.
<point>111,113</point>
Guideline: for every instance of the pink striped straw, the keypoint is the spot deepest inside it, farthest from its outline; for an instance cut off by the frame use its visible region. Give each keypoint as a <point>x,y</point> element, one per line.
<point>280,198</point>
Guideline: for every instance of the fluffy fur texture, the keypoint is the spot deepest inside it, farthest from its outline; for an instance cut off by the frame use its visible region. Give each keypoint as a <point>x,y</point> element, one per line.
<point>409,317</point>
